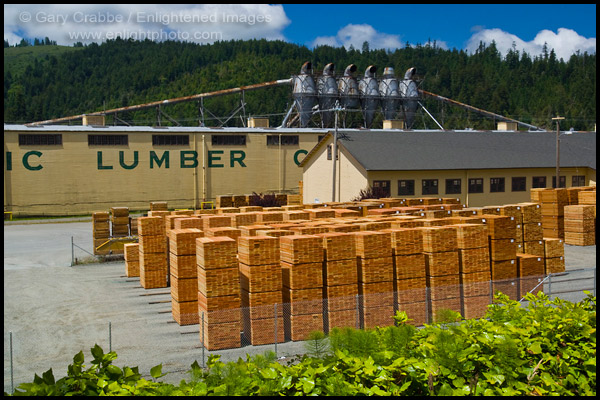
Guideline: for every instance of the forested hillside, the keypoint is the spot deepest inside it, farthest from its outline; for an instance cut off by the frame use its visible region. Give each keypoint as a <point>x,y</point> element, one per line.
<point>532,89</point>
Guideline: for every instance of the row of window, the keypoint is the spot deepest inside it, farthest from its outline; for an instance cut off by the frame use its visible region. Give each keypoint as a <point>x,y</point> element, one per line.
<point>157,140</point>
<point>406,187</point>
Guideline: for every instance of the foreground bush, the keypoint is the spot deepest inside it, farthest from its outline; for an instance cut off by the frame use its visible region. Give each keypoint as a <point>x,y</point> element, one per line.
<point>548,348</point>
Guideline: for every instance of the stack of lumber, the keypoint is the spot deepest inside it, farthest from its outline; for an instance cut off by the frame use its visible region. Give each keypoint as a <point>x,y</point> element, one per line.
<point>250,230</point>
<point>587,196</point>
<point>269,216</point>
<point>261,289</point>
<point>133,226</point>
<point>554,255</point>
<point>100,230</point>
<point>340,280</point>
<point>531,214</point>
<point>442,268</point>
<point>227,231</point>
<point>375,278</point>
<point>474,268</point>
<point>409,273</point>
<point>158,206</point>
<point>243,219</point>
<point>503,254</point>
<point>153,252</point>
<point>293,215</point>
<point>132,259</point>
<point>530,269</point>
<point>580,224</point>
<point>215,221</point>
<point>552,202</point>
<point>321,213</point>
<point>119,218</point>
<point>219,297</point>
<point>227,210</point>
<point>224,201</point>
<point>302,277</point>
<point>188,222</point>
<point>184,275</point>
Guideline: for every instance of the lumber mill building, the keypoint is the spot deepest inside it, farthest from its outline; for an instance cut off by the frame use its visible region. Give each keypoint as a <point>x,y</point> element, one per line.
<point>53,169</point>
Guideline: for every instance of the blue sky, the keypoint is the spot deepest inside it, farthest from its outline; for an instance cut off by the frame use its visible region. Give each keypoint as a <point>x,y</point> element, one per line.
<point>565,27</point>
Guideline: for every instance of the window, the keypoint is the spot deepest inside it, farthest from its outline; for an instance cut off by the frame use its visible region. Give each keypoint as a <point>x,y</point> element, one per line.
<point>496,185</point>
<point>381,188</point>
<point>108,140</point>
<point>476,185</point>
<point>578,180</point>
<point>170,140</point>
<point>562,181</point>
<point>430,186</point>
<point>406,187</point>
<point>453,186</point>
<point>519,184</point>
<point>538,182</point>
<point>287,140</point>
<point>229,140</point>
<point>40,140</point>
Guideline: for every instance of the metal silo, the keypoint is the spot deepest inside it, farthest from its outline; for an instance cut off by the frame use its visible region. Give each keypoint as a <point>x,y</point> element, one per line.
<point>327,88</point>
<point>348,89</point>
<point>369,94</point>
<point>390,93</point>
<point>304,93</point>
<point>410,94</point>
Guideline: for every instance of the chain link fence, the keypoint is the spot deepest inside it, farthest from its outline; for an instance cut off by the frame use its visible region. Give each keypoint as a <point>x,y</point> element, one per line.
<point>149,334</point>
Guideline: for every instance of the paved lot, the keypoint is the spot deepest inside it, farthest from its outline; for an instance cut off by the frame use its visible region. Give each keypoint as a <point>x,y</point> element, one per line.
<point>54,310</point>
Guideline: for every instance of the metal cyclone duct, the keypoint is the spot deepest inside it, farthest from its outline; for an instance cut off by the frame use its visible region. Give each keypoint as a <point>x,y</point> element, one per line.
<point>304,93</point>
<point>389,89</point>
<point>369,93</point>
<point>327,88</point>
<point>348,89</point>
<point>410,94</point>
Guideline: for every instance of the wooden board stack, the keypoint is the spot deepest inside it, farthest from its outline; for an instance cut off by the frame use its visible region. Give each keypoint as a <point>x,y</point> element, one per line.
<point>375,278</point>
<point>580,225</point>
<point>227,231</point>
<point>261,289</point>
<point>243,219</point>
<point>219,296</point>
<point>189,222</point>
<point>302,278</point>
<point>153,252</point>
<point>587,197</point>
<point>215,221</point>
<point>100,230</point>
<point>158,206</point>
<point>184,275</point>
<point>554,255</point>
<point>224,201</point>
<point>410,283</point>
<point>530,269</point>
<point>552,202</point>
<point>474,268</point>
<point>132,259</point>
<point>119,218</point>
<point>340,280</point>
<point>503,254</point>
<point>442,268</point>
<point>531,214</point>
<point>269,216</point>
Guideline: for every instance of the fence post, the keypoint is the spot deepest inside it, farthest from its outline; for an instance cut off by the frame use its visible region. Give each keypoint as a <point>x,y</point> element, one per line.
<point>12,385</point>
<point>275,307</point>
<point>357,314</point>
<point>72,253</point>
<point>109,336</point>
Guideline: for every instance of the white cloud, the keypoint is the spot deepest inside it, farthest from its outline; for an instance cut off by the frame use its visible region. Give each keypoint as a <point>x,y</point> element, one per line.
<point>565,42</point>
<point>356,34</point>
<point>201,23</point>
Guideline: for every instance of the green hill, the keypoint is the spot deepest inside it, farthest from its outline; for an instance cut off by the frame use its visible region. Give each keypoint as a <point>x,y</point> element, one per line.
<point>55,81</point>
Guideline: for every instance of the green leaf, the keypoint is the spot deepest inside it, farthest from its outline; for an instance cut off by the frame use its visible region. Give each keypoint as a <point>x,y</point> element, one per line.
<point>268,373</point>
<point>156,371</point>
<point>78,358</point>
<point>48,377</point>
<point>536,348</point>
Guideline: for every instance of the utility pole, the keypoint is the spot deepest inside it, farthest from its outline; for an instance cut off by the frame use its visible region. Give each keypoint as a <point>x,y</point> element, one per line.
<point>557,119</point>
<point>337,109</point>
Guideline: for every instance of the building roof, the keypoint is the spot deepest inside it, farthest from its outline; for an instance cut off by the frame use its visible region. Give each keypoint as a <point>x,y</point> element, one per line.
<point>378,150</point>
